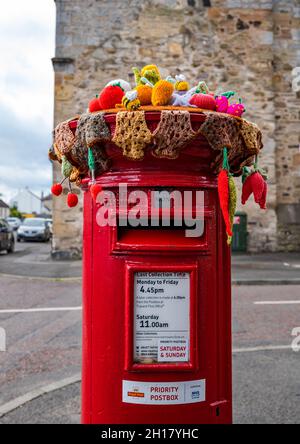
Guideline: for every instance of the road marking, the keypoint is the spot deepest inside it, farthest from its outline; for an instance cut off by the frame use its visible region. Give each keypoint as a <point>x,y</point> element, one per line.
<point>37,310</point>
<point>262,348</point>
<point>36,393</point>
<point>275,302</point>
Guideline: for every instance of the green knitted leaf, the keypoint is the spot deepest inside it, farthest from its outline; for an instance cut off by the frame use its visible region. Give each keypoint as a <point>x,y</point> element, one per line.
<point>66,167</point>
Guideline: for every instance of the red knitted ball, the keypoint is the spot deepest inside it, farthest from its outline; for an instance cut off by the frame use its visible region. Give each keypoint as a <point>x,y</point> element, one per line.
<point>72,200</point>
<point>94,105</point>
<point>204,101</point>
<point>56,189</point>
<point>110,96</point>
<point>95,190</point>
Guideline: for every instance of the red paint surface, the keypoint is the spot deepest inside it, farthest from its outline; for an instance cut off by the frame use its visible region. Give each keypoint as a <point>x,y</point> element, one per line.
<point>110,256</point>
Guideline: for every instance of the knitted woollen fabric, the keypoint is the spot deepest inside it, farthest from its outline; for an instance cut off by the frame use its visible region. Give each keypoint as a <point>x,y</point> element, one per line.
<point>132,134</point>
<point>232,203</point>
<point>66,167</point>
<point>63,137</point>
<point>162,93</point>
<point>173,132</point>
<point>252,136</point>
<point>96,129</point>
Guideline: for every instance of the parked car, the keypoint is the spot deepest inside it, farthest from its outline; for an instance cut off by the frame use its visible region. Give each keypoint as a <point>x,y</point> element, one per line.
<point>50,223</point>
<point>34,229</point>
<point>7,238</point>
<point>14,222</point>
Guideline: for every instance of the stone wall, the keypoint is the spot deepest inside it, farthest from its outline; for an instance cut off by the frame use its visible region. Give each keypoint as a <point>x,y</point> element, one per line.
<point>250,46</point>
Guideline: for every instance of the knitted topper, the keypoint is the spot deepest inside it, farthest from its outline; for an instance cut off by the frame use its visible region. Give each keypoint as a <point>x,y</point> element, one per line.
<point>254,181</point>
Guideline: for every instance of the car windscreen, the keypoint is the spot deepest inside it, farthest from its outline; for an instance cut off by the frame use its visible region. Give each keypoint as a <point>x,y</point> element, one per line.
<point>34,223</point>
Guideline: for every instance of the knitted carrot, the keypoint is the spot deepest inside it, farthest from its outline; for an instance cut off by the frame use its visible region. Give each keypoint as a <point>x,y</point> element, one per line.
<point>223,190</point>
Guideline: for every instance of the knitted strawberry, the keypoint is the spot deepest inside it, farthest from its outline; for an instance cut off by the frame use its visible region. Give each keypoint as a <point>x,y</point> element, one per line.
<point>110,96</point>
<point>72,200</point>
<point>222,101</point>
<point>94,104</point>
<point>56,189</point>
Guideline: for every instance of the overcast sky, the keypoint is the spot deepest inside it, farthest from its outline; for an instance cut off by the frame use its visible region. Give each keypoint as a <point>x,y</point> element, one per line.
<point>27,44</point>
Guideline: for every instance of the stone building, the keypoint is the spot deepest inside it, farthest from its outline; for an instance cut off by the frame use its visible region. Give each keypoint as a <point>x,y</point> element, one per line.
<point>250,46</point>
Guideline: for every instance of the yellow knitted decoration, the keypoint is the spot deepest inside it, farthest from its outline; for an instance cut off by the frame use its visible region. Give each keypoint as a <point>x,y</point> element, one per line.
<point>144,94</point>
<point>132,134</point>
<point>162,93</point>
<point>232,204</point>
<point>182,85</point>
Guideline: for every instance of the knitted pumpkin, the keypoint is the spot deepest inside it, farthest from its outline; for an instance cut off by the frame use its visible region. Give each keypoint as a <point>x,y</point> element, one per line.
<point>162,93</point>
<point>144,93</point>
<point>204,101</point>
<point>110,96</point>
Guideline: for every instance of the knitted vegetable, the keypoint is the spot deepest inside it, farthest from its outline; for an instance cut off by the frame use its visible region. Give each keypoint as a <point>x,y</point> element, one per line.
<point>94,105</point>
<point>204,101</point>
<point>144,93</point>
<point>95,190</point>
<point>232,204</point>
<point>263,200</point>
<point>150,72</point>
<point>56,189</point>
<point>236,109</point>
<point>162,93</point>
<point>223,191</point>
<point>72,200</point>
<point>202,88</point>
<point>110,96</point>
<point>222,101</point>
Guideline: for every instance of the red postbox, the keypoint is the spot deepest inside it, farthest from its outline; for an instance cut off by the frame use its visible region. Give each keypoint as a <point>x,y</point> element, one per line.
<point>157,304</point>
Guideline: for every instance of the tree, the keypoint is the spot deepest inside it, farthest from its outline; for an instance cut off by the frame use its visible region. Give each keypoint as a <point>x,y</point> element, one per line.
<point>14,212</point>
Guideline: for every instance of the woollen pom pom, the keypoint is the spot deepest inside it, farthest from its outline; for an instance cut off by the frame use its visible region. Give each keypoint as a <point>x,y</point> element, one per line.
<point>144,93</point>
<point>94,105</point>
<point>72,200</point>
<point>95,190</point>
<point>162,93</point>
<point>204,101</point>
<point>56,189</point>
<point>110,96</point>
<point>221,104</point>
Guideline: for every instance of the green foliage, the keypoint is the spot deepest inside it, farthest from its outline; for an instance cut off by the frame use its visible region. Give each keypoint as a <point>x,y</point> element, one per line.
<point>14,212</point>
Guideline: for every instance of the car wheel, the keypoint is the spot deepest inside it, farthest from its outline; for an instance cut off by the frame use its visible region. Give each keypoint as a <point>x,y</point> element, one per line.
<point>11,248</point>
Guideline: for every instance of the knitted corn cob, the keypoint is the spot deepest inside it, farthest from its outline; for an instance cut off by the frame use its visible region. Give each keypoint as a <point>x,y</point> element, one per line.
<point>232,204</point>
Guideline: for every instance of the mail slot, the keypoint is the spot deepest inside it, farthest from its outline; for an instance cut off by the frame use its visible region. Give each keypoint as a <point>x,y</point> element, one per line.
<point>157,303</point>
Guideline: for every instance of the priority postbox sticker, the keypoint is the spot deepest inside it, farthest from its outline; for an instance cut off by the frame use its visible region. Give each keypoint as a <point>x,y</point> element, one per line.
<point>181,392</point>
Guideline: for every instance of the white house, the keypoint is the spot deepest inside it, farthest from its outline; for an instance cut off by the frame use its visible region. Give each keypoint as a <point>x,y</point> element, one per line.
<point>4,209</point>
<point>28,202</point>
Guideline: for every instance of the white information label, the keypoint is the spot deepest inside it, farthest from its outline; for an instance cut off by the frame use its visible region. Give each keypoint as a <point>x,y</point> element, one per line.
<point>183,392</point>
<point>161,317</point>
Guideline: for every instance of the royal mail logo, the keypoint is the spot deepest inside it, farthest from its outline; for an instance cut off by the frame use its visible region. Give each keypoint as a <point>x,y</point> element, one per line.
<point>136,394</point>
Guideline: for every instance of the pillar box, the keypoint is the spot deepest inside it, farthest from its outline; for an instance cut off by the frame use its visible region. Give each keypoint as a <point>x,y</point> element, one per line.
<point>156,303</point>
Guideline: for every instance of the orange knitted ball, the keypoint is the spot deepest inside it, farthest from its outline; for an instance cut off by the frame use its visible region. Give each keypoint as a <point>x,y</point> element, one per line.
<point>204,101</point>
<point>162,93</point>
<point>144,94</point>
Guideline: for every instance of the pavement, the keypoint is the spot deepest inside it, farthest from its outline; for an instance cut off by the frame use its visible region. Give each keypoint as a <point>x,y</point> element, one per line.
<point>40,310</point>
